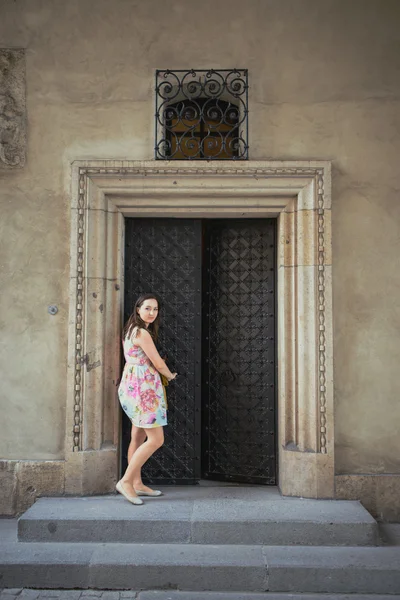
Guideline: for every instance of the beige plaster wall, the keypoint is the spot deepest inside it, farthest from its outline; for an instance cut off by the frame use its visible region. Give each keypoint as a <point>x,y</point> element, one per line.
<point>325,84</point>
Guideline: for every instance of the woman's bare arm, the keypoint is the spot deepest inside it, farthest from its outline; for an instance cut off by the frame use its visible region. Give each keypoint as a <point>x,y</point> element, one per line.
<point>145,341</point>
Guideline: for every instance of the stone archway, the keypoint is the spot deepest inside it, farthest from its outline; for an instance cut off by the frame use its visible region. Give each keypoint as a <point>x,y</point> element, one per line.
<point>298,194</point>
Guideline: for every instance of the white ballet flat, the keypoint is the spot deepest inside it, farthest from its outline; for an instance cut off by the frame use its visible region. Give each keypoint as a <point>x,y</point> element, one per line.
<point>132,499</point>
<point>154,493</point>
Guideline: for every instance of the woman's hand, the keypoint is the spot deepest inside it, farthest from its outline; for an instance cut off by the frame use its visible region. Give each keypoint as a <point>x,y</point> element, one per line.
<point>173,376</point>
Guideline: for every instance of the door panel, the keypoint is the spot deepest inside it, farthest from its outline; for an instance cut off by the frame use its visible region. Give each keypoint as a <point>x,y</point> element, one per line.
<point>164,256</point>
<point>238,442</point>
<point>216,280</point>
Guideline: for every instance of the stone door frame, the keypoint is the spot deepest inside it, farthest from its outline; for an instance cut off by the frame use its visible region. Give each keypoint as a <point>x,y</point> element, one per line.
<point>298,194</point>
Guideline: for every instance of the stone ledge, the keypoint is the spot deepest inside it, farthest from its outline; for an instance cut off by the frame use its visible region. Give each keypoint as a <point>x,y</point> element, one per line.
<point>22,481</point>
<point>380,494</point>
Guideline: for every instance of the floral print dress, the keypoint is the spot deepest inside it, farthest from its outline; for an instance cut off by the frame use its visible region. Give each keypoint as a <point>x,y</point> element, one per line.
<point>140,392</point>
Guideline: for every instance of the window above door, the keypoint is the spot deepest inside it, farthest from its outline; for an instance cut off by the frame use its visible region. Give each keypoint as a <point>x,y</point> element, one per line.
<point>201,115</point>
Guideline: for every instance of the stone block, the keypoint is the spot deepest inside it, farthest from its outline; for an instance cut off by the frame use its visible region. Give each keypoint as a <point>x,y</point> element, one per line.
<point>380,494</point>
<point>49,566</point>
<point>38,478</point>
<point>292,522</point>
<point>314,474</point>
<point>106,519</point>
<point>8,486</point>
<point>177,566</point>
<point>333,570</point>
<point>91,472</point>
<point>23,481</point>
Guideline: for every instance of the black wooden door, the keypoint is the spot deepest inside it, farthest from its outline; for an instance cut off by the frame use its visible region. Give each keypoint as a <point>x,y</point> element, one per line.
<point>216,279</point>
<point>238,418</point>
<point>164,256</point>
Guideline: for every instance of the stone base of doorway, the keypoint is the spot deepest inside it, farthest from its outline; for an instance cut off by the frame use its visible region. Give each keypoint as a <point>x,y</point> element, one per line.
<point>23,481</point>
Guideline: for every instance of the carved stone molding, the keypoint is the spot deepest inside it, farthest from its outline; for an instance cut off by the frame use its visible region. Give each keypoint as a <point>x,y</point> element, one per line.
<point>79,313</point>
<point>298,194</point>
<point>321,311</point>
<point>12,108</point>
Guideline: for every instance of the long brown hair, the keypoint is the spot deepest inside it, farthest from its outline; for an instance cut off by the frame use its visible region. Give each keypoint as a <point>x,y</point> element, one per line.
<point>135,320</point>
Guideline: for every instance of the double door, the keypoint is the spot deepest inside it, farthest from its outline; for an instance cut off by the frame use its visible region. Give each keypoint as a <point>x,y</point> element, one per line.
<point>216,281</point>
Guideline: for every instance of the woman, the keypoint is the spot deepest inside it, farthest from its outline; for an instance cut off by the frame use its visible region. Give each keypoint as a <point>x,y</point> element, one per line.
<point>141,394</point>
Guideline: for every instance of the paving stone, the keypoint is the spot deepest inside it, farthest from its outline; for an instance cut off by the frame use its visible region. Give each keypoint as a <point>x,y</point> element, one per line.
<point>29,594</point>
<point>91,593</point>
<point>70,595</point>
<point>12,591</point>
<point>110,596</point>
<point>129,595</point>
<point>50,593</point>
<point>6,596</point>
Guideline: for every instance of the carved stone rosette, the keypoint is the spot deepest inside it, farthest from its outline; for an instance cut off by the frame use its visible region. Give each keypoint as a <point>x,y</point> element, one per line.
<point>12,108</point>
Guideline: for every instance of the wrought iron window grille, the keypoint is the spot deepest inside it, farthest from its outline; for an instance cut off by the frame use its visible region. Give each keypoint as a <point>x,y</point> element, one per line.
<point>201,115</point>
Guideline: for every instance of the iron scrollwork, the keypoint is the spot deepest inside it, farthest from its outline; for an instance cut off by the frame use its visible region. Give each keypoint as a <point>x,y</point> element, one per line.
<point>201,115</point>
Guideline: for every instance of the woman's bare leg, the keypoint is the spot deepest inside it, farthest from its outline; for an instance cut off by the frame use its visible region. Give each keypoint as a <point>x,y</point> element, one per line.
<point>132,477</point>
<point>138,436</point>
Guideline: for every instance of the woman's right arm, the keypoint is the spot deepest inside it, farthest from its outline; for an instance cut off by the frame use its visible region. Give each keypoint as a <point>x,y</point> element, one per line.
<point>145,341</point>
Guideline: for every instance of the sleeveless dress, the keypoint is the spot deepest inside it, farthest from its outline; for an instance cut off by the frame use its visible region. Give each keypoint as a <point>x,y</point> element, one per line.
<point>140,392</point>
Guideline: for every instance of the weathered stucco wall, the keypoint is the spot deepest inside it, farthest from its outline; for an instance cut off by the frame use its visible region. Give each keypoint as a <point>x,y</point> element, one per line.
<point>325,84</point>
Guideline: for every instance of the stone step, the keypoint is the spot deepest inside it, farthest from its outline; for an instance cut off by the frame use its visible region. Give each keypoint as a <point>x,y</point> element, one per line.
<point>160,595</point>
<point>198,567</point>
<point>90,594</point>
<point>278,521</point>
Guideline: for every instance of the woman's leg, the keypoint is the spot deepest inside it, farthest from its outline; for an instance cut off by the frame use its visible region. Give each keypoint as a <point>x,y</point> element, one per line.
<point>138,435</point>
<point>133,478</point>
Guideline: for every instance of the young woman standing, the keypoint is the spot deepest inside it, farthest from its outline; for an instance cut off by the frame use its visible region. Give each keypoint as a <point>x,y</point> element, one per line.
<point>141,394</point>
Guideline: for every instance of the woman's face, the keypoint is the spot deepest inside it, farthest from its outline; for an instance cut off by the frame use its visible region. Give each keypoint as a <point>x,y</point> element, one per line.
<point>148,311</point>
